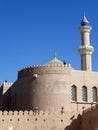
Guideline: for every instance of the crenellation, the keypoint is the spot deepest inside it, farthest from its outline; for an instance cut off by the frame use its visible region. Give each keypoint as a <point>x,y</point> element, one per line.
<point>46,113</point>
<point>44,69</point>
<point>36,112</point>
<point>25,112</point>
<point>7,83</point>
<point>66,65</point>
<point>22,112</point>
<point>40,118</point>
<point>5,113</point>
<point>44,66</point>
<point>33,113</point>
<point>0,113</point>
<point>11,113</point>
<point>41,112</point>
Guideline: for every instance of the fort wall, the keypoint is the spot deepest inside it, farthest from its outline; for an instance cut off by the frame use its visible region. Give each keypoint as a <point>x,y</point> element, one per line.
<point>44,69</point>
<point>38,120</point>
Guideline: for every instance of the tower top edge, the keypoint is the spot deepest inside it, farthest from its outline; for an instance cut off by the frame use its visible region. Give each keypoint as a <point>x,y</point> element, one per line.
<point>46,66</point>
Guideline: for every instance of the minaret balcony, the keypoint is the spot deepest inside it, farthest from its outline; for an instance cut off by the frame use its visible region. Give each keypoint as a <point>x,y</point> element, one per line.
<point>88,50</point>
<point>85,28</point>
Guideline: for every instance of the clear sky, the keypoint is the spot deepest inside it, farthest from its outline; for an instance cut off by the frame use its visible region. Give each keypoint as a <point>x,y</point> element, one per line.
<point>32,30</point>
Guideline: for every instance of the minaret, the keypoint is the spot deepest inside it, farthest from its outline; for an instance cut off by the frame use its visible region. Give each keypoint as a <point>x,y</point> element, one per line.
<point>85,49</point>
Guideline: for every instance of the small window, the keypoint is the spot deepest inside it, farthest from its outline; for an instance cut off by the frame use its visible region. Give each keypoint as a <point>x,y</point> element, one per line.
<point>84,93</point>
<point>94,94</point>
<point>74,93</point>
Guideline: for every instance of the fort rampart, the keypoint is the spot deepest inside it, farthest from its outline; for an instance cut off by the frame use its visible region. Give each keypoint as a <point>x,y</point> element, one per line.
<point>44,69</point>
<point>38,120</point>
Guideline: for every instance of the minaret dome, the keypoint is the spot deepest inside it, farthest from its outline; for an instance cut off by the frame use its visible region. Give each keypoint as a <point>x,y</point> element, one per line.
<point>84,21</point>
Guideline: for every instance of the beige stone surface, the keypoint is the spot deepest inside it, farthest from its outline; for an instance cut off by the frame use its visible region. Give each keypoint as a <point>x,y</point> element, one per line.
<point>29,120</point>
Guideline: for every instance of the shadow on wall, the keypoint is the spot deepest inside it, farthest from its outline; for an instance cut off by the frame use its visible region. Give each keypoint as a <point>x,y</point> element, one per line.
<point>76,124</point>
<point>6,100</point>
<point>5,96</point>
<point>1,91</point>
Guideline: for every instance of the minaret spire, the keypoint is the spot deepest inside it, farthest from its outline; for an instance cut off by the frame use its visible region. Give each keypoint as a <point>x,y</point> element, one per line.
<point>84,21</point>
<point>85,49</point>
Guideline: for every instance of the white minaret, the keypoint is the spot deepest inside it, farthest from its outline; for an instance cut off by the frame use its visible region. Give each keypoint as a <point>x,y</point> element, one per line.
<point>85,49</point>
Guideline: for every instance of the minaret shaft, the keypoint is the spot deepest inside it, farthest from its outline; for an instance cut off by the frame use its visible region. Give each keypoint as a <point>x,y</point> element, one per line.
<point>85,49</point>
<point>85,38</point>
<point>86,62</point>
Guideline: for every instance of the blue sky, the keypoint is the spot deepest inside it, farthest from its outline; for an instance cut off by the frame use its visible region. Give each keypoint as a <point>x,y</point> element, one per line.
<point>32,30</point>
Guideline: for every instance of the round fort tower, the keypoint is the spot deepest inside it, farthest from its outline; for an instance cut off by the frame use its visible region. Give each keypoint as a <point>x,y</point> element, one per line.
<point>43,87</point>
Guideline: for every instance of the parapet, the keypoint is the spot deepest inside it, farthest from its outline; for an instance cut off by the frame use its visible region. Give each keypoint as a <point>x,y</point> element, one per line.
<point>44,69</point>
<point>34,119</point>
<point>6,85</point>
<point>33,113</point>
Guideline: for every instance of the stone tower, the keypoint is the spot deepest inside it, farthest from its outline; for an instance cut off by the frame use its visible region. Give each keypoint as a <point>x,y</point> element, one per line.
<point>85,49</point>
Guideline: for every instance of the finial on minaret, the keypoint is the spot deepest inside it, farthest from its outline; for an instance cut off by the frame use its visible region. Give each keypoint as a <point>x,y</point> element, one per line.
<point>84,21</point>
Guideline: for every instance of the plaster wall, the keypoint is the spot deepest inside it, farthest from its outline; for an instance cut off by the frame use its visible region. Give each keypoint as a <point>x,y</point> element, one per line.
<point>52,91</point>
<point>29,120</point>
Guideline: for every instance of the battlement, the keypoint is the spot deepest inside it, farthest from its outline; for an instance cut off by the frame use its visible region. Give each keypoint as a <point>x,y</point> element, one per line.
<point>33,113</point>
<point>7,83</point>
<point>46,65</point>
<point>44,69</point>
<point>5,86</point>
<point>31,120</point>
